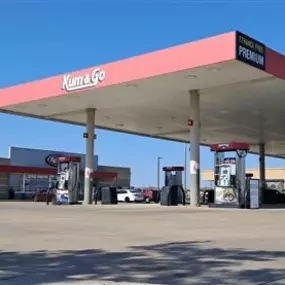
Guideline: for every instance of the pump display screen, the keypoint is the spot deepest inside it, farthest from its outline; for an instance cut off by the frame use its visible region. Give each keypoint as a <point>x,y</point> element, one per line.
<point>230,160</point>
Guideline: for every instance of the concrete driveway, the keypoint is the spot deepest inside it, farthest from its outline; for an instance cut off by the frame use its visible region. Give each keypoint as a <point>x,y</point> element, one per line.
<point>134,244</point>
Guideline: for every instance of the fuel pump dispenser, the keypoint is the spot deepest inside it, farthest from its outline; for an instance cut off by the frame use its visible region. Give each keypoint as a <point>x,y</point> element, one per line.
<point>230,177</point>
<point>172,193</point>
<point>67,184</point>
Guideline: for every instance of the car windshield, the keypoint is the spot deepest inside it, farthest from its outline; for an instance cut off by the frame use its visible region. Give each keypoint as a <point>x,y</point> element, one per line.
<point>136,191</point>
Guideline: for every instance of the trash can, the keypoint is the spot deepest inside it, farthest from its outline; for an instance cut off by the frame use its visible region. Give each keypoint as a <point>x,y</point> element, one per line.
<point>109,196</point>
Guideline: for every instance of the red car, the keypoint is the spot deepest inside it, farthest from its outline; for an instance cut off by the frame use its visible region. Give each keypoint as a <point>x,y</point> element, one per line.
<point>151,195</point>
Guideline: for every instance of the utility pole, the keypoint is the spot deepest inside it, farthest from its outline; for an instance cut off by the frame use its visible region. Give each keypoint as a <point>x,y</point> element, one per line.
<point>158,172</point>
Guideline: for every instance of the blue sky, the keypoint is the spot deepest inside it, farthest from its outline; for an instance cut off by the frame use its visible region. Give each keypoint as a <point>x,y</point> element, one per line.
<point>45,38</point>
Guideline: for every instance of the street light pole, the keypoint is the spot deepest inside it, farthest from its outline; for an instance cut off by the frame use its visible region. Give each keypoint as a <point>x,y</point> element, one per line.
<point>158,172</point>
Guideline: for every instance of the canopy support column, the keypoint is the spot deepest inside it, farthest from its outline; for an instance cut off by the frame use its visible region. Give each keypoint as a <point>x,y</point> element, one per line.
<point>262,177</point>
<point>89,156</point>
<point>194,148</point>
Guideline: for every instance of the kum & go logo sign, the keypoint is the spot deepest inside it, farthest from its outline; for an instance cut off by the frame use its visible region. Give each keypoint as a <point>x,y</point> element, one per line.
<point>71,83</point>
<point>51,160</point>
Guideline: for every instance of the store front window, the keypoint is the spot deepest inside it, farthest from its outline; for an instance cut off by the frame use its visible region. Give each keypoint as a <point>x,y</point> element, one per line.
<point>32,183</point>
<point>36,183</point>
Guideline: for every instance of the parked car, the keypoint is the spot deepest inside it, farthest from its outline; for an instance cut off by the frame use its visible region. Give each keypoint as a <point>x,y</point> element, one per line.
<point>151,195</point>
<point>130,195</point>
<point>273,196</point>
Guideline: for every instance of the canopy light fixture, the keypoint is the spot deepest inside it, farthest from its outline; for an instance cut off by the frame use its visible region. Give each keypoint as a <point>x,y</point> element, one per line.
<point>42,105</point>
<point>190,76</point>
<point>132,85</point>
<point>215,69</point>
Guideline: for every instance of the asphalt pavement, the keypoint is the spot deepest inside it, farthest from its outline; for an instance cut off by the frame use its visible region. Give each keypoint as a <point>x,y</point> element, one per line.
<point>139,244</point>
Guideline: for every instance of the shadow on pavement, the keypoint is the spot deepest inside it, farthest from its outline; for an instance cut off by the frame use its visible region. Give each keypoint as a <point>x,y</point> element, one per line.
<point>171,263</point>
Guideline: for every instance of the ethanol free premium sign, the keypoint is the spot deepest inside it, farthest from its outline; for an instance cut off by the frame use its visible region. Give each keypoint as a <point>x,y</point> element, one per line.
<point>250,51</point>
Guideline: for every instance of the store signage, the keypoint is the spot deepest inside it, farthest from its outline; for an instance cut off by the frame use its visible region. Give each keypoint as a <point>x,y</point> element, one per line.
<point>223,146</point>
<point>193,167</point>
<point>51,160</point>
<point>250,51</point>
<point>72,83</point>
<point>85,136</point>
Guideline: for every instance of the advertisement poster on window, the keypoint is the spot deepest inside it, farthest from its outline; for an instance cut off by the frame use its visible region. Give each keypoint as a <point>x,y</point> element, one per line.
<point>224,195</point>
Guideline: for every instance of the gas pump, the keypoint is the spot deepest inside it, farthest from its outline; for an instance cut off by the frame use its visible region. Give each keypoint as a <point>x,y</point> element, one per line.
<point>172,193</point>
<point>173,175</point>
<point>67,184</point>
<point>230,176</point>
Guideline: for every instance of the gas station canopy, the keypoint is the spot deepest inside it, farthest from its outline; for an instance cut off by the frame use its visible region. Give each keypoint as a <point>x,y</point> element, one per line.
<point>241,84</point>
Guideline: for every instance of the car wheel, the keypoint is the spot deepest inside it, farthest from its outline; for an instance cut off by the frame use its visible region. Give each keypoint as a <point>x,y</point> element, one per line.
<point>127,199</point>
<point>147,200</point>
